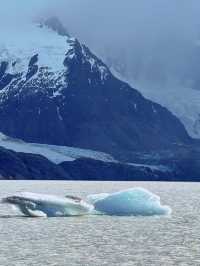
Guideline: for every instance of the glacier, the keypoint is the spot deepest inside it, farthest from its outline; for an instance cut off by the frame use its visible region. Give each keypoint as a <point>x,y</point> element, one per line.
<point>131,202</point>
<point>56,154</point>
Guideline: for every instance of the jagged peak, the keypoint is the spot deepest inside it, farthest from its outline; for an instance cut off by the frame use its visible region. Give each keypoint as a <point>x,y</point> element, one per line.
<point>45,51</point>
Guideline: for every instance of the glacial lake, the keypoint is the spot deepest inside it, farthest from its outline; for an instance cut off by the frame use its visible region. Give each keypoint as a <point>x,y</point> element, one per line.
<point>102,240</point>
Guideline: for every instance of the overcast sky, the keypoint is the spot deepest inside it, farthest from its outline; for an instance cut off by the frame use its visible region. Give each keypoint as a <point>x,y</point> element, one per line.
<point>112,19</point>
<point>160,28</point>
<point>117,19</point>
<point>158,33</point>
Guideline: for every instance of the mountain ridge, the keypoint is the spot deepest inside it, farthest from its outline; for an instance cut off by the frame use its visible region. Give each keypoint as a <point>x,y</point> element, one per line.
<point>56,91</point>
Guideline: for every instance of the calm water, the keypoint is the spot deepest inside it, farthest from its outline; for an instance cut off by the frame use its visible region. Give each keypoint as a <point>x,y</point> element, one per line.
<point>103,240</point>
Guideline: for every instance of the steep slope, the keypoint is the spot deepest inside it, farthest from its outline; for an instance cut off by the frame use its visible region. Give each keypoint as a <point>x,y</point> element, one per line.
<point>54,90</point>
<point>178,92</point>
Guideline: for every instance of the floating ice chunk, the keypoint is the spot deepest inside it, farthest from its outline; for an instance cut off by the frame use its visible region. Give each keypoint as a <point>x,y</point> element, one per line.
<point>37,205</point>
<point>135,201</point>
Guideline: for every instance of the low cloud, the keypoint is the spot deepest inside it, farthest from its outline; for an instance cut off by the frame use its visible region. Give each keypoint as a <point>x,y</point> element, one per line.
<point>150,34</point>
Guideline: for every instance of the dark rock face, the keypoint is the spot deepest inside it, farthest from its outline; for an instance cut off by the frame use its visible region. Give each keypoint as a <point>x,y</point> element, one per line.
<point>19,166</point>
<point>28,166</point>
<point>5,78</point>
<point>89,169</point>
<point>3,68</point>
<point>32,67</point>
<point>183,160</point>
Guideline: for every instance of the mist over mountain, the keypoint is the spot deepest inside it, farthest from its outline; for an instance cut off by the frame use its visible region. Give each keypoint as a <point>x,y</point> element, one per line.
<point>154,45</point>
<point>152,40</point>
<point>154,31</point>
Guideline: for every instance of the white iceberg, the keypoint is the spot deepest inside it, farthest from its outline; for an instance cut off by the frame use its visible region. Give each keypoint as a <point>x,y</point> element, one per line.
<point>41,205</point>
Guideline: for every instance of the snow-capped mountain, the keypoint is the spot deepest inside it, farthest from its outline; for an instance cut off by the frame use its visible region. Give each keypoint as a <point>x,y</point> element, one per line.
<point>54,90</point>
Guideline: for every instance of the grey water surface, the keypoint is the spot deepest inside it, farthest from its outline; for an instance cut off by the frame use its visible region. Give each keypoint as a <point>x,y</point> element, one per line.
<point>102,240</point>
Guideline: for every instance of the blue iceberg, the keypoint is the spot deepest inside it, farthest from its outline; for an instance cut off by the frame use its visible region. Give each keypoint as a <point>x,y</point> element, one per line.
<point>134,201</point>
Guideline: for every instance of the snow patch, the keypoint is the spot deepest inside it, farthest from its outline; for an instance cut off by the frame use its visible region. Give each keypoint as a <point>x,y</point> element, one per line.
<point>160,168</point>
<point>17,46</point>
<point>58,113</point>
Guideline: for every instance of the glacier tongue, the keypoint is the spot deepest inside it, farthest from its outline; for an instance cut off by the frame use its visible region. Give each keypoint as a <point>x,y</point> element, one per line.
<point>56,154</point>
